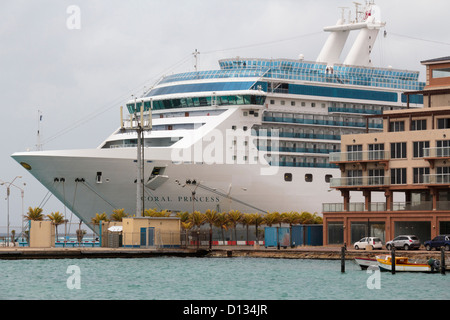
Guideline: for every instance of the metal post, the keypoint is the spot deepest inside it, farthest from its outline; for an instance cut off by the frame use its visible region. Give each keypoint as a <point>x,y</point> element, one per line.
<point>393,260</point>
<point>343,258</point>
<point>443,260</point>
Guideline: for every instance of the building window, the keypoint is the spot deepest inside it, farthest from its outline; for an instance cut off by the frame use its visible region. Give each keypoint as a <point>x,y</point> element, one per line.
<point>443,148</point>
<point>288,177</point>
<point>398,176</point>
<point>418,148</point>
<point>376,151</point>
<point>398,150</point>
<point>418,174</point>
<point>418,125</point>
<point>308,177</point>
<point>376,177</point>
<point>354,177</point>
<point>443,175</point>
<point>441,73</point>
<point>396,126</point>
<point>354,152</point>
<point>443,123</point>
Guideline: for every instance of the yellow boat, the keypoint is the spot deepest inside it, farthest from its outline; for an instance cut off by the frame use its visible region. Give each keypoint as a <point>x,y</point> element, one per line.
<point>401,264</point>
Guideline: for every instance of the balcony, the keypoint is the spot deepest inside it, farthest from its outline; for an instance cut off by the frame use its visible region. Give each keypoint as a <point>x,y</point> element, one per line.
<point>360,156</point>
<point>439,179</point>
<point>441,152</point>
<point>381,206</point>
<point>360,182</point>
<point>438,153</point>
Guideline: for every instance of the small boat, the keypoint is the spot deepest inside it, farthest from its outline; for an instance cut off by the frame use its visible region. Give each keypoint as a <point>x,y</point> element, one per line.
<point>364,263</point>
<point>402,264</point>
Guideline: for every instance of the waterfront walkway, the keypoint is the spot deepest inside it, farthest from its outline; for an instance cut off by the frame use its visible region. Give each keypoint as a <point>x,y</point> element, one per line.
<point>326,253</point>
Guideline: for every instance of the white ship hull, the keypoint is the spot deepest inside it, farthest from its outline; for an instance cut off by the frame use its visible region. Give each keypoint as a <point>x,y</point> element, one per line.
<point>71,177</point>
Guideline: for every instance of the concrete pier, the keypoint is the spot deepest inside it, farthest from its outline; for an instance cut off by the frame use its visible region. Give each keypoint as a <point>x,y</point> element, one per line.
<point>320,253</point>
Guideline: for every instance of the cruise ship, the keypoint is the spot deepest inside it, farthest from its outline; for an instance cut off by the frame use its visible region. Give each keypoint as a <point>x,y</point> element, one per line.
<point>254,135</point>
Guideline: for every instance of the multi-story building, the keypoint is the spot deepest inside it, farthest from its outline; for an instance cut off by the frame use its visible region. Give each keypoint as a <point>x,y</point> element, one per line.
<point>403,172</point>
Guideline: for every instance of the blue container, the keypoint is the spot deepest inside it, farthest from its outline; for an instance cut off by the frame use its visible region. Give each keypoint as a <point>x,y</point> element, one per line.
<point>315,235</point>
<point>274,236</point>
<point>309,235</point>
<point>297,235</point>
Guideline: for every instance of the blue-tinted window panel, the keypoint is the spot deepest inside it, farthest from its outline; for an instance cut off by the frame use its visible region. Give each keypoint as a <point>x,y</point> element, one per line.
<point>201,87</point>
<point>413,98</point>
<point>343,93</point>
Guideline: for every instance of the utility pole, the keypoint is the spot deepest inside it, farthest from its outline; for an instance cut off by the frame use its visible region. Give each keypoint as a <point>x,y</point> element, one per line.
<point>139,125</point>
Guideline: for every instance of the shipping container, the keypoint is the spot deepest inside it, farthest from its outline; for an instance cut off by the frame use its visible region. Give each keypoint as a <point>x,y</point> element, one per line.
<point>308,235</point>
<point>274,236</point>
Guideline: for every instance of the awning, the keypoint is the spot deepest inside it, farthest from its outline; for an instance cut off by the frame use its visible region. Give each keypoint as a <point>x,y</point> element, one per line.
<point>115,229</point>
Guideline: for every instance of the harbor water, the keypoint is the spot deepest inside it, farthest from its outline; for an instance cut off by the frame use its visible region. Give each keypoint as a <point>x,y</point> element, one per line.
<point>170,278</point>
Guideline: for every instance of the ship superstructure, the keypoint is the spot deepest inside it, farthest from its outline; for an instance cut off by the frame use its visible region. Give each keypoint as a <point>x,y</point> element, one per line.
<point>254,135</point>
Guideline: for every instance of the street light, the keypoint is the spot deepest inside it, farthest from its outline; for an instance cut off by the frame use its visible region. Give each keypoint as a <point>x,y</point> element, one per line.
<point>8,191</point>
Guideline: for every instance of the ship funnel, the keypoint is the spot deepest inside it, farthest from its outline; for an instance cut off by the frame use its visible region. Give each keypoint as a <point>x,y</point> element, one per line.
<point>335,43</point>
<point>368,22</point>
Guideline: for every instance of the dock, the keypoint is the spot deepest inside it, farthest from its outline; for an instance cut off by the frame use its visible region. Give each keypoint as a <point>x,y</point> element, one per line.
<point>319,253</point>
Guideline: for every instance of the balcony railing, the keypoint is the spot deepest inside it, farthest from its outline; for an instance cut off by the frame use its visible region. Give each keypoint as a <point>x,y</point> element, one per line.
<point>443,178</point>
<point>360,181</point>
<point>359,156</point>
<point>440,152</point>
<point>381,206</point>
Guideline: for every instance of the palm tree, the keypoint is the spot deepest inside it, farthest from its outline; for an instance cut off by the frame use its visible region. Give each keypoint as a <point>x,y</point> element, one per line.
<point>57,219</point>
<point>34,214</point>
<point>186,225</point>
<point>234,216</point>
<point>184,216</point>
<point>223,223</point>
<point>247,220</point>
<point>119,214</point>
<point>211,218</point>
<point>99,218</point>
<point>291,218</point>
<point>272,218</point>
<point>198,219</point>
<point>258,219</point>
<point>150,212</point>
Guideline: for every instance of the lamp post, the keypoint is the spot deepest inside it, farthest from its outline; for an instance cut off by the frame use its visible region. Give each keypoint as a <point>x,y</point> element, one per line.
<point>139,125</point>
<point>8,191</point>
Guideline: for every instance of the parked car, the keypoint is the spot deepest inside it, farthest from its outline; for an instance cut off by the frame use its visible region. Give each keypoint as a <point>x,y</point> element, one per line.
<point>406,242</point>
<point>374,242</point>
<point>442,240</point>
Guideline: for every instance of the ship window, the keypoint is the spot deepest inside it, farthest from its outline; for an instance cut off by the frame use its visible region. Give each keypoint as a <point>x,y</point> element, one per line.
<point>328,178</point>
<point>288,177</point>
<point>308,177</point>
<point>292,103</point>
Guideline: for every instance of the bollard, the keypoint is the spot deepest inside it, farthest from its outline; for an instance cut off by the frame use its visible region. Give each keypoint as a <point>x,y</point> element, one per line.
<point>229,253</point>
<point>442,260</point>
<point>393,260</point>
<point>343,259</point>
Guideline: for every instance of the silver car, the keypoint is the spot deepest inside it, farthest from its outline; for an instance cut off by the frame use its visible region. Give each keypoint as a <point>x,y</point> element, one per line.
<point>406,242</point>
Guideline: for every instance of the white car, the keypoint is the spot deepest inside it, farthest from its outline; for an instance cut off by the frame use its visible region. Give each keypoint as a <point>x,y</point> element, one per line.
<point>374,242</point>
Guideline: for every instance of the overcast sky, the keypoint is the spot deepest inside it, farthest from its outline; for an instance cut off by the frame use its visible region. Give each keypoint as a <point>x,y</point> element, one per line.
<point>78,76</point>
